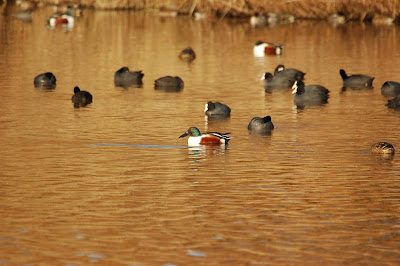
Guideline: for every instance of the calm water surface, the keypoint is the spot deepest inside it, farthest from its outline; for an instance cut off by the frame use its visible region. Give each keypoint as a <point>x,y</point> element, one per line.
<point>113,184</point>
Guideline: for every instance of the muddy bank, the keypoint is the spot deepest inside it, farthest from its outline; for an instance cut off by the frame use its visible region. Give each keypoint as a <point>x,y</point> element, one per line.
<point>300,9</point>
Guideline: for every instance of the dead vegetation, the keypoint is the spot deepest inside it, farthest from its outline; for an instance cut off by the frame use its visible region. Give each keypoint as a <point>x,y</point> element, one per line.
<point>301,9</point>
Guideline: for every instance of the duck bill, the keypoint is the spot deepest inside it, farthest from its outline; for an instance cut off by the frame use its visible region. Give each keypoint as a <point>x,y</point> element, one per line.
<point>184,135</point>
<point>294,88</point>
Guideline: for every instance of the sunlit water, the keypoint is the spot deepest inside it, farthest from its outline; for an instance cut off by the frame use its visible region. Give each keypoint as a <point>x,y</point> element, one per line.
<point>112,183</point>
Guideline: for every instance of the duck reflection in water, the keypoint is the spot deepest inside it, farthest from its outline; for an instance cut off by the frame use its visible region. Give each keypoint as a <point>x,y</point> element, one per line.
<point>204,152</point>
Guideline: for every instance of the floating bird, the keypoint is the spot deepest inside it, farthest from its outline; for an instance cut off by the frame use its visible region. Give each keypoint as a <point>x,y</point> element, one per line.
<point>187,54</point>
<point>265,48</point>
<point>261,125</point>
<point>290,73</point>
<point>258,20</point>
<point>217,109</point>
<point>309,95</point>
<point>357,81</point>
<point>45,80</point>
<point>169,83</point>
<point>277,82</point>
<point>382,148</point>
<point>64,19</point>
<point>390,88</point>
<point>81,98</point>
<point>209,138</point>
<point>125,78</point>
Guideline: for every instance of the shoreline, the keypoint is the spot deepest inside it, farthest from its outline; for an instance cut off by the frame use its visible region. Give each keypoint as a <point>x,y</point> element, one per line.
<point>362,10</point>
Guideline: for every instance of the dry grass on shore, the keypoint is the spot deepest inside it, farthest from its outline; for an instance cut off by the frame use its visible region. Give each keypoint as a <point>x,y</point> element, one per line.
<point>304,9</point>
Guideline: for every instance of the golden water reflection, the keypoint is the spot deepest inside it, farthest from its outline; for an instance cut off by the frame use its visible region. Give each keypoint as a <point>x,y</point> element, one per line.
<point>112,183</point>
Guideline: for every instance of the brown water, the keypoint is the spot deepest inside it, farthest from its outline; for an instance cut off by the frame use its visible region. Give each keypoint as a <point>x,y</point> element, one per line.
<point>113,184</point>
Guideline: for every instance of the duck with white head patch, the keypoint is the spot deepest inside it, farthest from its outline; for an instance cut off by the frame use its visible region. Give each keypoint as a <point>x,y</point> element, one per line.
<point>309,95</point>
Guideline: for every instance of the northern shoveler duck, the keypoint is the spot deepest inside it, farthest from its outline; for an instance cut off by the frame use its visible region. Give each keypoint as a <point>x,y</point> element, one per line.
<point>209,138</point>
<point>290,73</point>
<point>266,48</point>
<point>217,109</point>
<point>61,20</point>
<point>277,82</point>
<point>169,83</point>
<point>394,103</point>
<point>309,95</point>
<point>261,125</point>
<point>258,20</point>
<point>125,78</point>
<point>81,98</point>
<point>390,88</point>
<point>187,54</point>
<point>357,81</point>
<point>382,148</point>
<point>45,80</point>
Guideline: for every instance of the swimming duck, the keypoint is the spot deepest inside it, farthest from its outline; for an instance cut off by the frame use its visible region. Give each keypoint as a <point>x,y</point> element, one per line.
<point>64,19</point>
<point>217,109</point>
<point>382,148</point>
<point>258,20</point>
<point>81,98</point>
<point>265,48</point>
<point>277,82</point>
<point>209,138</point>
<point>125,78</point>
<point>309,95</point>
<point>169,83</point>
<point>290,73</point>
<point>261,125</point>
<point>357,81</point>
<point>187,54</point>
<point>390,88</point>
<point>45,80</point>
